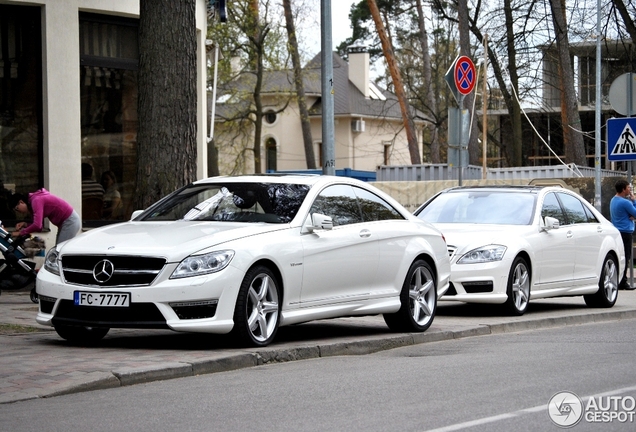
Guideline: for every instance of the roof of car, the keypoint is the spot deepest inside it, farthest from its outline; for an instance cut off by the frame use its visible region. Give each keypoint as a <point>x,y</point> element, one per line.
<point>509,188</point>
<point>307,179</point>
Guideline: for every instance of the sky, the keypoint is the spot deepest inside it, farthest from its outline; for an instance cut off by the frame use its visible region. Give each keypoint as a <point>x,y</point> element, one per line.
<point>340,25</point>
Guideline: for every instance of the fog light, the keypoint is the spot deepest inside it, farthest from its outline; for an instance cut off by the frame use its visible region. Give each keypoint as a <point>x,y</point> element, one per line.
<point>195,309</point>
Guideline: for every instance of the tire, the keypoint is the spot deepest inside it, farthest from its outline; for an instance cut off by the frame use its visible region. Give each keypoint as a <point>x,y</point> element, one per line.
<point>34,296</point>
<point>418,300</point>
<point>518,290</point>
<point>81,335</point>
<point>257,311</point>
<point>607,292</point>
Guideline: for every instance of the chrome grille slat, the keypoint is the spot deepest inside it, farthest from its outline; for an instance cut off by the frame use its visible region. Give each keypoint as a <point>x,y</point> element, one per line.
<point>128,271</point>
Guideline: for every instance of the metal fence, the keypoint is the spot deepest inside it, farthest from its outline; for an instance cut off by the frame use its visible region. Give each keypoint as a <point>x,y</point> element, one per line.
<point>472,172</point>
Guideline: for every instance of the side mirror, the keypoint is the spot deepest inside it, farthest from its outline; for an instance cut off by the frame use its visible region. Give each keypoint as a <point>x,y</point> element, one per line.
<point>319,221</point>
<point>135,214</point>
<point>551,223</point>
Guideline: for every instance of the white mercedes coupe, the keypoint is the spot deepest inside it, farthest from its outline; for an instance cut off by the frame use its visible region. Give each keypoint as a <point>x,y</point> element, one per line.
<point>509,244</point>
<point>245,255</point>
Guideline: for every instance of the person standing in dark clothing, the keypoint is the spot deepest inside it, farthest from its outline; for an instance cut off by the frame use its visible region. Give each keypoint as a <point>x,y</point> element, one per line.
<point>623,213</point>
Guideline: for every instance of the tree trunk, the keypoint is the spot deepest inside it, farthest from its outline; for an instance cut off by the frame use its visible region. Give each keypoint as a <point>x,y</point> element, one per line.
<point>213,159</point>
<point>573,145</point>
<point>428,81</point>
<point>397,83</point>
<point>628,18</point>
<point>257,38</point>
<point>300,89</point>
<point>167,106</point>
<point>515,149</point>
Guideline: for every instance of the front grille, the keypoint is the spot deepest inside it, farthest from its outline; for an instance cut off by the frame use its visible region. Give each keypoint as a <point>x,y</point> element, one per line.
<point>137,315</point>
<point>477,287</point>
<point>127,270</point>
<point>451,251</point>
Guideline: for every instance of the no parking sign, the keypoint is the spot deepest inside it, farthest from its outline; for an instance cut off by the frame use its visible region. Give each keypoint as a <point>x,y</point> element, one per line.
<point>465,75</point>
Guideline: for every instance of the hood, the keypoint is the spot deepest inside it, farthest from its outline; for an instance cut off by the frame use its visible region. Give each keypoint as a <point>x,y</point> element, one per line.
<point>173,240</point>
<point>475,235</point>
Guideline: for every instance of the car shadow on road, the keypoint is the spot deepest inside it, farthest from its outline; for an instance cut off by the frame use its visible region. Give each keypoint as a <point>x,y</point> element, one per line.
<point>318,332</point>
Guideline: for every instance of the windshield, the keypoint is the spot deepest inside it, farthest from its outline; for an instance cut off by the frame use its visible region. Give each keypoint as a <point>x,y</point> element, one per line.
<point>232,202</point>
<point>480,207</point>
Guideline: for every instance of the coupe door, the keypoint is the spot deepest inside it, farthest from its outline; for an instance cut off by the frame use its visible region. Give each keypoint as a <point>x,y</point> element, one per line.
<point>558,252</point>
<point>340,264</point>
<point>393,234</point>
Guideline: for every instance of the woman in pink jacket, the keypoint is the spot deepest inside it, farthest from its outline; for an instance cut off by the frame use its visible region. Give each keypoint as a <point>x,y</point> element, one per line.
<point>42,204</point>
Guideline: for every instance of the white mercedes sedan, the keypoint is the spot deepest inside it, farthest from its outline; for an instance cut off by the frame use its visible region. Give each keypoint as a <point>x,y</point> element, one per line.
<point>510,244</point>
<point>245,255</point>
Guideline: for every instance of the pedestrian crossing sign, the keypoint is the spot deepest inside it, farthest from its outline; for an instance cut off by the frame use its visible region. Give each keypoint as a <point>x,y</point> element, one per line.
<point>621,139</point>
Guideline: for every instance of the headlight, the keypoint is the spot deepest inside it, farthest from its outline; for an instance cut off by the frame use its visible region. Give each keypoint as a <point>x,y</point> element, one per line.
<point>203,264</point>
<point>483,254</point>
<point>50,262</point>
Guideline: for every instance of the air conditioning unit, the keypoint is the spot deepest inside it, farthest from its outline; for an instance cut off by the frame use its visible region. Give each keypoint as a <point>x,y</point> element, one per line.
<point>357,126</point>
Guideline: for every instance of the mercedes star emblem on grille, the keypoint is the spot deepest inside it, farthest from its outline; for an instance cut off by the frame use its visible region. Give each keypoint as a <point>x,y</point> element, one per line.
<point>103,271</point>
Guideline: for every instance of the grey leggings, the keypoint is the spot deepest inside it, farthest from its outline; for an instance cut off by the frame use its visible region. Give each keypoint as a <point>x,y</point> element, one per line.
<point>69,228</point>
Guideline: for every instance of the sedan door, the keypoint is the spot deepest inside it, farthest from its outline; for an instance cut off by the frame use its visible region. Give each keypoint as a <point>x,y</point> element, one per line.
<point>558,253</point>
<point>588,236</point>
<point>340,264</point>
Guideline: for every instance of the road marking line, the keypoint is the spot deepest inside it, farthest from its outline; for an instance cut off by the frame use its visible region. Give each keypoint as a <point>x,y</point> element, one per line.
<point>518,413</point>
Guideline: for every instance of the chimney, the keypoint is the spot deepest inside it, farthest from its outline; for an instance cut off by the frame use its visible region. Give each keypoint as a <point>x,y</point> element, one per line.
<point>359,68</point>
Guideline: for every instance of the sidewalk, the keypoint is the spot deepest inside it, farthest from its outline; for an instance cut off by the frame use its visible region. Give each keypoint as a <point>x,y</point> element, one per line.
<point>38,363</point>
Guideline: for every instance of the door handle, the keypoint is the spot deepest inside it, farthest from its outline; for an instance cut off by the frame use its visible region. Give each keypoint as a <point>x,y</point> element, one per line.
<point>365,233</point>
<point>569,234</point>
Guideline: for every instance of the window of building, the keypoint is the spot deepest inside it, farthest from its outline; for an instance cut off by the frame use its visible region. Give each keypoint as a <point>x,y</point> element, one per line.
<point>270,154</point>
<point>21,151</point>
<point>109,60</point>
<point>386,157</point>
<point>270,117</point>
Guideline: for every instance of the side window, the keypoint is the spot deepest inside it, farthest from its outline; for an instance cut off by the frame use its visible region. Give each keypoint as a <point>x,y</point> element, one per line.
<point>340,203</point>
<point>590,216</point>
<point>552,208</point>
<point>375,208</point>
<point>573,209</point>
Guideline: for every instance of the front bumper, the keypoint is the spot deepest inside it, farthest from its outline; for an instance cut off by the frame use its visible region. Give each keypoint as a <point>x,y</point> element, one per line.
<point>479,283</point>
<point>197,304</point>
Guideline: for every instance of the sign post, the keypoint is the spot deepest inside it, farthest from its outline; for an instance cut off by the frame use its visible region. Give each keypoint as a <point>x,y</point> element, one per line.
<point>461,79</point>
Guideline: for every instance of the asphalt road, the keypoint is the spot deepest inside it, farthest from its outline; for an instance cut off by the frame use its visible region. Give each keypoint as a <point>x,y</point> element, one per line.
<point>40,364</point>
<point>495,383</point>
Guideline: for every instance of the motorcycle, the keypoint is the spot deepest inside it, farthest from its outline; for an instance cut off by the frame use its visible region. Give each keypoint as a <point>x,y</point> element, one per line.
<point>16,272</point>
